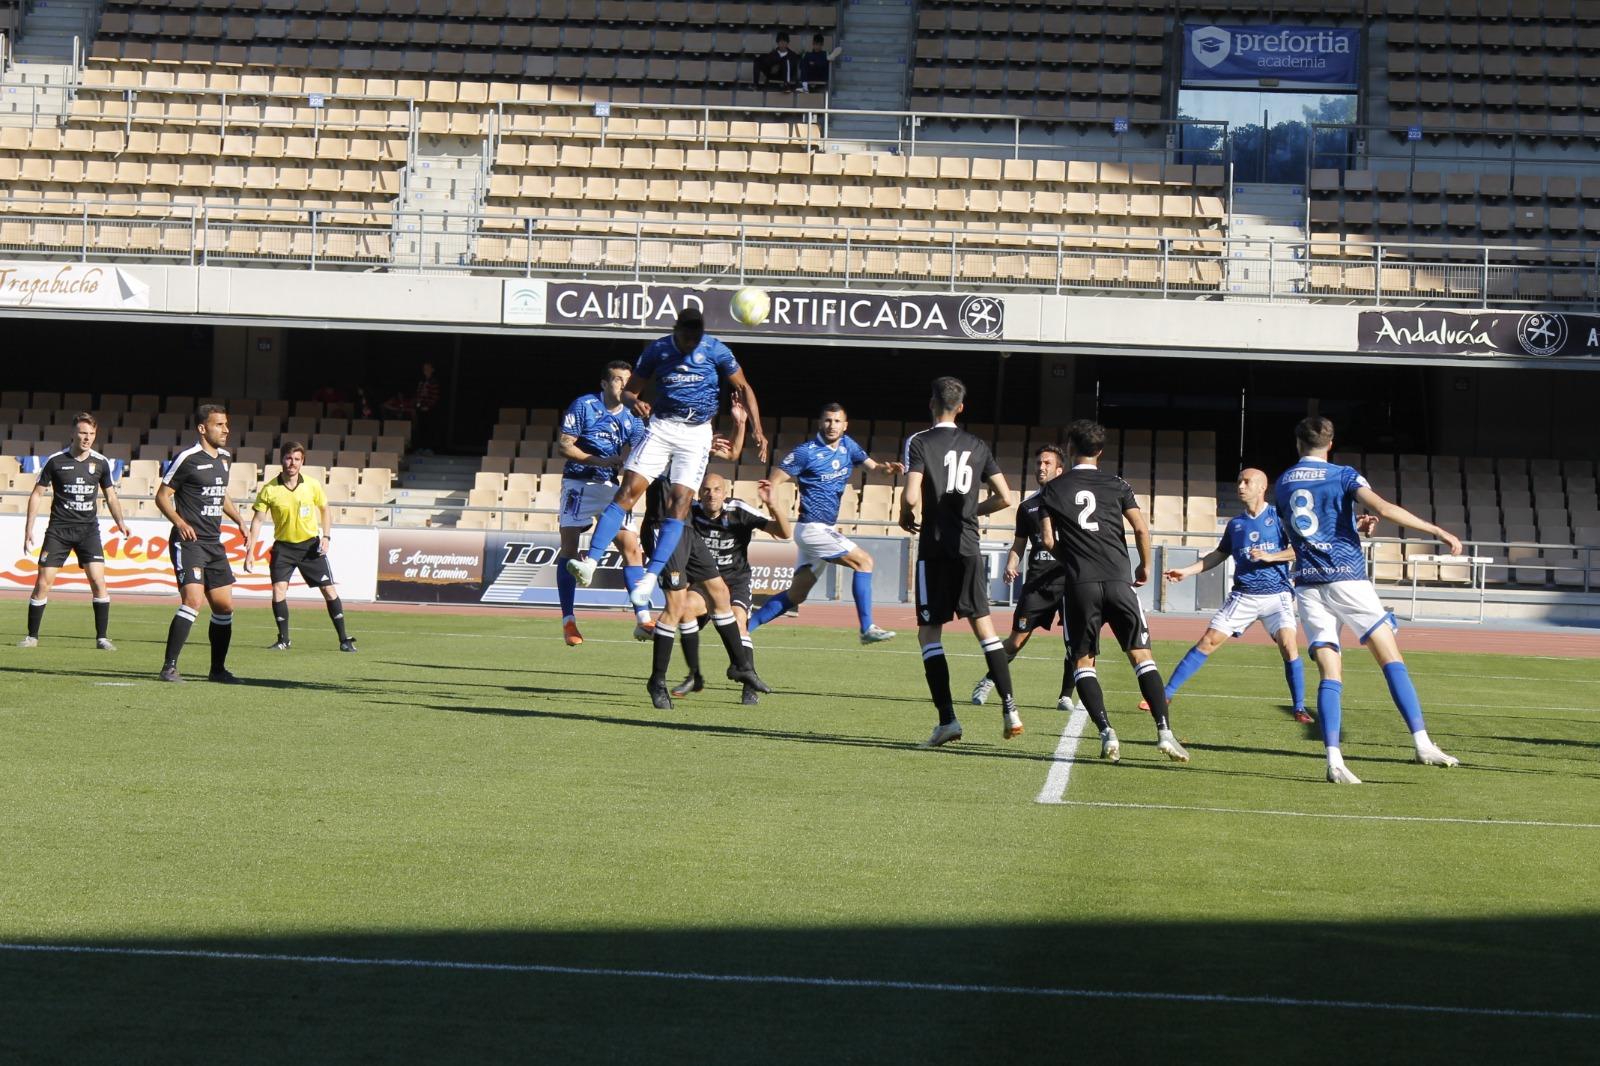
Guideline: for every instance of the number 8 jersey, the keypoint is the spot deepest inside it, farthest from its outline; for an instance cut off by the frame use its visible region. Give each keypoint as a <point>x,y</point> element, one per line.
<point>1316,500</point>
<point>1086,506</point>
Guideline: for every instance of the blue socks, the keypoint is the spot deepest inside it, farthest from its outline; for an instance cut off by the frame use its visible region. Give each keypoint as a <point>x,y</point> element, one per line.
<point>773,608</point>
<point>667,537</point>
<point>1404,694</point>
<point>861,588</point>
<point>1187,667</point>
<point>605,530</point>
<point>1329,713</point>
<point>1295,673</point>
<point>567,590</point>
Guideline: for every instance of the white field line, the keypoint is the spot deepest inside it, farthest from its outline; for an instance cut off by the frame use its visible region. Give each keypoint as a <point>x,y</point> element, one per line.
<point>1055,782</point>
<point>1426,819</point>
<point>805,982</point>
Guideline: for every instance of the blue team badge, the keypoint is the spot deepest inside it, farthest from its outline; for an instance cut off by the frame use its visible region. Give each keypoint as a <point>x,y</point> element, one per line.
<point>1255,535</point>
<point>696,357</point>
<point>1271,522</point>
<point>835,466</point>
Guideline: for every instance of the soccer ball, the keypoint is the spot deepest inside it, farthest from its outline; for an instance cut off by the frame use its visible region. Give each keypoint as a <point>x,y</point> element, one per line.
<point>750,306</point>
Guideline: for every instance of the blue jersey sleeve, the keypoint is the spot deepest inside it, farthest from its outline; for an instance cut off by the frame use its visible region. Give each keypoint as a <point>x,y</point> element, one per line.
<point>636,434</point>
<point>1225,545</point>
<point>722,358</point>
<point>857,455</point>
<point>792,463</point>
<point>575,422</point>
<point>1352,480</point>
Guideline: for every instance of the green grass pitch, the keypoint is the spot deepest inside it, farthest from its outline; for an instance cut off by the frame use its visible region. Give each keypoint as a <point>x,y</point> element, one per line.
<point>467,789</point>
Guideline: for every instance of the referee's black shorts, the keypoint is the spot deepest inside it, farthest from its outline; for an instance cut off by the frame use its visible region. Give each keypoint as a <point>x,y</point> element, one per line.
<point>305,556</point>
<point>63,541</point>
<point>950,588</point>
<point>1040,604</point>
<point>691,563</point>
<point>1095,604</point>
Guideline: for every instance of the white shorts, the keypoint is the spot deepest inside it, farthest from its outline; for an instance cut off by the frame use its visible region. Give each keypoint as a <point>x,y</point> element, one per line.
<point>676,447</point>
<point>818,542</point>
<point>1274,610</point>
<point>582,502</point>
<point>1324,608</point>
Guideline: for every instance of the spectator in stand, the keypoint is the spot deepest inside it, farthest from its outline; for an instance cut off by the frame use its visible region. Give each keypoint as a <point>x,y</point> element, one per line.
<point>427,405</point>
<point>814,65</point>
<point>779,68</point>
<point>363,404</point>
<point>327,394</point>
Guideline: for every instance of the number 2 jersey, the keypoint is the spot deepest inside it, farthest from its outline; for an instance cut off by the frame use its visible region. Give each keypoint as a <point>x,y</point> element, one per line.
<point>1085,505</point>
<point>199,483</point>
<point>1317,502</point>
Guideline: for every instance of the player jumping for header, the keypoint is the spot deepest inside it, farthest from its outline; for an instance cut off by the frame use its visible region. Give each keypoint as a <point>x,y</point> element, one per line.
<point>1317,501</point>
<point>821,469</point>
<point>687,368</point>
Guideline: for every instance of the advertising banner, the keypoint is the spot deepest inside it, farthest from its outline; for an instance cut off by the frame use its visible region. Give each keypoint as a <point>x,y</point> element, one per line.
<point>140,561</point>
<point>1541,334</point>
<point>1229,56</point>
<point>795,312</point>
<point>80,285</point>
<point>430,565</point>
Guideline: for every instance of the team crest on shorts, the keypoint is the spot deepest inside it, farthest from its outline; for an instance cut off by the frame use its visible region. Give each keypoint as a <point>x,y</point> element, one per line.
<point>677,577</point>
<point>924,616</point>
<point>197,572</point>
<point>1022,623</point>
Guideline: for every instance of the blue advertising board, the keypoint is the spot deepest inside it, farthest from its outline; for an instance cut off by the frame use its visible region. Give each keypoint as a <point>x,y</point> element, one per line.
<point>1306,55</point>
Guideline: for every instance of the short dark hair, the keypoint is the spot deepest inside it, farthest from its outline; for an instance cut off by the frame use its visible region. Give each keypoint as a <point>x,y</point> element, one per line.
<point>783,38</point>
<point>830,408</point>
<point>948,393</point>
<point>1314,431</point>
<point>691,317</point>
<point>618,364</point>
<point>1052,449</point>
<point>289,447</point>
<point>206,410</point>
<point>1086,437</point>
<point>85,416</point>
<point>816,38</point>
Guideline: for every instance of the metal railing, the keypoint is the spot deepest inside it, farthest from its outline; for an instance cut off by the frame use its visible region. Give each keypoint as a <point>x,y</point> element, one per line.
<point>911,255</point>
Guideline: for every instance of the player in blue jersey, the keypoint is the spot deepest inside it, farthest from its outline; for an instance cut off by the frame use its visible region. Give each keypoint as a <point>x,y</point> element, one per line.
<point>1317,501</point>
<point>1262,591</point>
<point>687,369</point>
<point>596,433</point>
<point>821,469</point>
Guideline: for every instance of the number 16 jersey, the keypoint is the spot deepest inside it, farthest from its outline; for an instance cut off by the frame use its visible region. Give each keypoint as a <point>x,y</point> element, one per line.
<point>1085,506</point>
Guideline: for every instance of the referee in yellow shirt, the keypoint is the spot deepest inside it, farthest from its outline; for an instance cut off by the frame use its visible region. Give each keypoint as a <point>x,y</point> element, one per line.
<point>299,510</point>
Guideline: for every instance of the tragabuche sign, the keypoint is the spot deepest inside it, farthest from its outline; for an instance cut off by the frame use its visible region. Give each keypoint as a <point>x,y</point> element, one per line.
<point>1542,334</point>
<point>795,312</point>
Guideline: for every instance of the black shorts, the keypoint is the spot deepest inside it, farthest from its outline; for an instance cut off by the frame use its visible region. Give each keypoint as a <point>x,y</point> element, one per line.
<point>1091,606</point>
<point>1039,605</point>
<point>739,588</point>
<point>691,563</point>
<point>951,588</point>
<point>60,542</point>
<point>201,562</point>
<point>305,556</point>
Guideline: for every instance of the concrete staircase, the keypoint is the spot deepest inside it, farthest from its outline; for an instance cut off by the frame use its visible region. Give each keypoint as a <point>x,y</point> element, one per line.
<point>871,75</point>
<point>37,88</point>
<point>437,485</point>
<point>1267,228</point>
<point>446,181</point>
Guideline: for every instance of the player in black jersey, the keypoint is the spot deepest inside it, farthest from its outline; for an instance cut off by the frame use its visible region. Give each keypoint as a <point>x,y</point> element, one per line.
<point>1083,525</point>
<point>194,498</point>
<point>1040,603</point>
<point>76,475</point>
<point>691,564</point>
<point>726,525</point>
<point>945,468</point>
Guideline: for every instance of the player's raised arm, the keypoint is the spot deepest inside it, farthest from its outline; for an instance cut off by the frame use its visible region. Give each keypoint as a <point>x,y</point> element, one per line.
<point>999,495</point>
<point>780,515</point>
<point>164,503</point>
<point>747,397</point>
<point>1402,517</point>
<point>1141,541</point>
<point>633,394</point>
<point>1283,555</point>
<point>1201,565</point>
<point>730,448</point>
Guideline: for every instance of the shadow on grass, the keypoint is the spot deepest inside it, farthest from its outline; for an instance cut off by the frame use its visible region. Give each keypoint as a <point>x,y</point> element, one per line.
<point>307,1006</point>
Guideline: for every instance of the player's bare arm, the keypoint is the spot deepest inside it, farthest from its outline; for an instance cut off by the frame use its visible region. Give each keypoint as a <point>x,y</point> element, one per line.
<point>250,541</point>
<point>114,505</point>
<point>1282,555</point>
<point>164,504</point>
<point>1393,512</point>
<point>567,445</point>
<point>33,512</point>
<point>1200,566</point>
<point>893,468</point>
<point>911,502</point>
<point>781,528</point>
<point>747,397</point>
<point>1047,533</point>
<point>730,448</point>
<point>999,497</point>
<point>1014,558</point>
<point>1141,540</point>
<point>232,512</point>
<point>327,526</point>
